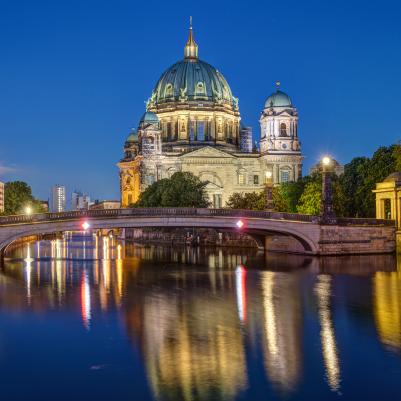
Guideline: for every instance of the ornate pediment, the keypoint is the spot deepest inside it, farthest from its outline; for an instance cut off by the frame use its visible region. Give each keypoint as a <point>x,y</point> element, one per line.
<point>208,152</point>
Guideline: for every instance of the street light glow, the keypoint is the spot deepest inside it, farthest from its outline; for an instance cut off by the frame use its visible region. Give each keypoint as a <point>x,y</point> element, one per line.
<point>85,225</point>
<point>28,210</point>
<point>326,160</point>
<point>269,174</point>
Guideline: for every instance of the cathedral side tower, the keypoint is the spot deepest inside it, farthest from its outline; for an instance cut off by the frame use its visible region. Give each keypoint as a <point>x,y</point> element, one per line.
<point>279,143</point>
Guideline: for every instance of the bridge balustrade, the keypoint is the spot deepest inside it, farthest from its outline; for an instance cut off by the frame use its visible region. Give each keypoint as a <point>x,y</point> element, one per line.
<point>174,212</point>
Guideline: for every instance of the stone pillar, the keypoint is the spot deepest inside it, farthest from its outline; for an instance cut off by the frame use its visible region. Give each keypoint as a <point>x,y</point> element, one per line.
<point>379,212</point>
<point>326,207</point>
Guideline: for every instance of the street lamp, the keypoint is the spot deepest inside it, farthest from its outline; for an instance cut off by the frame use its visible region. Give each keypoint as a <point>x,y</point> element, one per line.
<point>269,191</point>
<point>28,210</point>
<point>326,206</point>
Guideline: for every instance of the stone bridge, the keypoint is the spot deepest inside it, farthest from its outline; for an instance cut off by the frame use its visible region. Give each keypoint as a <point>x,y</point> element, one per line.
<point>283,232</point>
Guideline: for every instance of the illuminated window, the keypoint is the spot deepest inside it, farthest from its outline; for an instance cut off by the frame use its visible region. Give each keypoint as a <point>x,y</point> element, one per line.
<point>200,135</point>
<point>192,131</point>
<point>285,176</point>
<point>241,179</point>
<point>256,179</point>
<point>283,129</point>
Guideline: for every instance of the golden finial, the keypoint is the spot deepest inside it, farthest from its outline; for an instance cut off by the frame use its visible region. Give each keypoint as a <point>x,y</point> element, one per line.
<point>191,48</point>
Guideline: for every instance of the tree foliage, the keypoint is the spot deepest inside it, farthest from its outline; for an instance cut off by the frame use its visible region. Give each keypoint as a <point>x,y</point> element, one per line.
<point>257,200</point>
<point>183,189</point>
<point>17,196</point>
<point>361,176</point>
<point>309,202</point>
<point>248,200</point>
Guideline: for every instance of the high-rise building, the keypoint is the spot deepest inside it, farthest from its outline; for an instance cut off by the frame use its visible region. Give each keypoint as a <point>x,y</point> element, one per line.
<point>57,198</point>
<point>80,201</point>
<point>1,197</point>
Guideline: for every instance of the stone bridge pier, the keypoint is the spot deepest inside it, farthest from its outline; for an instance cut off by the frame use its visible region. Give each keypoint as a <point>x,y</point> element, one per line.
<point>275,232</point>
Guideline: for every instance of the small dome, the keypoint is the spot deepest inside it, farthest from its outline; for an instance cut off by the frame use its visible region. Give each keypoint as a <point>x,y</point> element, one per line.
<point>149,118</point>
<point>278,99</point>
<point>394,177</point>
<point>132,137</point>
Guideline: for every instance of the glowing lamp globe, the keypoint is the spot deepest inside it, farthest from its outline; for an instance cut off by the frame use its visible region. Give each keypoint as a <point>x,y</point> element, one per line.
<point>85,225</point>
<point>28,210</point>
<point>326,160</point>
<point>240,224</point>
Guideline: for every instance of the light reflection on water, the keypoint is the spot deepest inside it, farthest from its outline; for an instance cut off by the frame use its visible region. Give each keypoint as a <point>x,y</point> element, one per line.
<point>198,324</point>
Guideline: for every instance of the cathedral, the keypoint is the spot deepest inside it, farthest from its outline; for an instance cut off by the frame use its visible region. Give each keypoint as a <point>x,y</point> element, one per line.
<point>192,123</point>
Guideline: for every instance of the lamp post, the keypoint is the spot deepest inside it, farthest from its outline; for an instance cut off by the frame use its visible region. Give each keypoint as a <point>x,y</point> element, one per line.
<point>269,191</point>
<point>326,206</point>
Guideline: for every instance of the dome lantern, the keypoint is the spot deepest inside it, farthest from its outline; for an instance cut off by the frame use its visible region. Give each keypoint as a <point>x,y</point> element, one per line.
<point>191,48</point>
<point>278,98</point>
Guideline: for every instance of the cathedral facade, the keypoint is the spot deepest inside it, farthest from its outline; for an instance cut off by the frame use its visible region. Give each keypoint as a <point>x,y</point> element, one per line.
<point>192,123</point>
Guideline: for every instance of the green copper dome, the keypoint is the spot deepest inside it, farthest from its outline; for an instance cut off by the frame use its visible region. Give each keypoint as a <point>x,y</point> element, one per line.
<point>132,137</point>
<point>278,99</point>
<point>149,118</point>
<point>192,80</point>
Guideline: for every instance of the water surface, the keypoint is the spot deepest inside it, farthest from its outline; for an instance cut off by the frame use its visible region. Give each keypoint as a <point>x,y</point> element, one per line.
<point>91,319</point>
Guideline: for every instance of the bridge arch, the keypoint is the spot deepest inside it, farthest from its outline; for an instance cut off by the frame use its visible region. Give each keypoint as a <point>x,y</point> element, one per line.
<point>305,229</point>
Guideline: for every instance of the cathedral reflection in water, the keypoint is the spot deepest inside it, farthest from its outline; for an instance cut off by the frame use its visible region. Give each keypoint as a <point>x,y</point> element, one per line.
<point>197,316</point>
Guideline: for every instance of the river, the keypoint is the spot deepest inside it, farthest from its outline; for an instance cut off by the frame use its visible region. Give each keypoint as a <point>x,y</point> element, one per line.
<point>86,318</point>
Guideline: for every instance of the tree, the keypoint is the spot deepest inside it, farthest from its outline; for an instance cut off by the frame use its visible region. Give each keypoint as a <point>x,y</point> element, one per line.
<point>291,193</point>
<point>257,200</point>
<point>17,196</point>
<point>248,200</point>
<point>309,202</point>
<point>281,199</point>
<point>352,181</point>
<point>361,176</point>
<point>181,190</point>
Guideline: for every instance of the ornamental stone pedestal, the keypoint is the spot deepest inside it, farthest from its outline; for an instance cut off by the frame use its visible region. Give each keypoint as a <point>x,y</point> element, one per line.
<point>327,213</point>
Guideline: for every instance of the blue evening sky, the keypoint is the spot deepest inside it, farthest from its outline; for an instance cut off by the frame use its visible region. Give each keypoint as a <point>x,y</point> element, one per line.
<point>74,76</point>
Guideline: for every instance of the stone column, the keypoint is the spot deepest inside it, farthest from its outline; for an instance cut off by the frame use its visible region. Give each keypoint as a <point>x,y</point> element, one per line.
<point>379,212</point>
<point>326,207</point>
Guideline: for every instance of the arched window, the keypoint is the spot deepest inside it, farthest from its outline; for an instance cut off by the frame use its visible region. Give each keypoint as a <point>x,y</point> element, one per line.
<point>284,176</point>
<point>283,129</point>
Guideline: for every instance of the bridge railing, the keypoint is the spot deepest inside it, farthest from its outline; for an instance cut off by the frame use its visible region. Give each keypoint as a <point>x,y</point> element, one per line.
<point>351,221</point>
<point>176,212</point>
